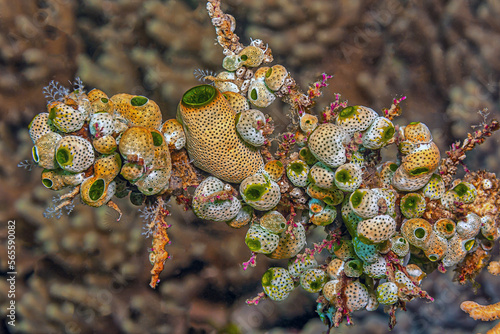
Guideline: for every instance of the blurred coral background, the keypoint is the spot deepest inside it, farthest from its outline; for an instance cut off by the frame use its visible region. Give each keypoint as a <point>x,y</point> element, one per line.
<point>86,273</point>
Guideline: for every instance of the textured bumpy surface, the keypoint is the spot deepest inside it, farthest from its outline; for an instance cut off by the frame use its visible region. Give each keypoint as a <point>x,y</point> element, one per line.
<point>212,141</point>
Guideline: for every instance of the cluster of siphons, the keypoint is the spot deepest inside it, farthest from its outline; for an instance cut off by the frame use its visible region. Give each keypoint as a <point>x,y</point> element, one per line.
<point>386,223</point>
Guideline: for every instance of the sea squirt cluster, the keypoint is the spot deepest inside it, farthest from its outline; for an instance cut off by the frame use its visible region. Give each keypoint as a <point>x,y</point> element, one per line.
<point>386,223</point>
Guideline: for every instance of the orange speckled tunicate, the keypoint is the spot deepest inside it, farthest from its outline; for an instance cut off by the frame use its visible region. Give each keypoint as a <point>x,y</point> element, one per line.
<point>211,138</point>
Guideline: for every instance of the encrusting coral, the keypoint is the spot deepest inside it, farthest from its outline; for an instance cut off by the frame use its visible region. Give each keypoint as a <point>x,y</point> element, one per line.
<point>383,221</point>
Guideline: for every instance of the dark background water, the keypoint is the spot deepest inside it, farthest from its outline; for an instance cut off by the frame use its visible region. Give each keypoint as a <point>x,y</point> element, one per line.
<point>86,273</point>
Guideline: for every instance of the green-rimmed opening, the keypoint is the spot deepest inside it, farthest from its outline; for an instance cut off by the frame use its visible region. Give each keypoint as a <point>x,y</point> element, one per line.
<point>354,265</point>
<point>96,190</point>
<point>402,240</point>
<point>199,96</point>
<point>52,112</point>
<point>420,233</point>
<point>343,176</point>
<point>433,257</point>
<point>356,198</point>
<point>410,202</point>
<point>254,192</point>
<point>64,157</point>
<point>269,72</point>
<point>419,171</point>
<point>244,57</point>
<point>237,118</point>
<point>253,94</point>
<point>347,112</point>
<point>388,133</point>
<point>139,101</point>
<point>157,138</point>
<point>267,278</point>
<point>104,100</point>
<point>461,189</point>
<point>47,183</point>
<point>253,244</point>
<point>469,244</point>
<point>34,153</point>
<point>297,167</point>
<point>317,284</point>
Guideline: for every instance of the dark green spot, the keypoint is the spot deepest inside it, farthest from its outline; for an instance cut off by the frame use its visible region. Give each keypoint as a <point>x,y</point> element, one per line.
<point>420,233</point>
<point>253,94</point>
<point>237,118</point>
<point>47,183</point>
<point>199,96</point>
<point>449,227</point>
<point>267,278</point>
<point>157,138</point>
<point>393,167</point>
<point>356,198</point>
<point>343,176</point>
<point>63,156</point>
<point>269,72</point>
<point>347,112</point>
<point>253,245</point>
<point>410,202</point>
<point>353,265</point>
<point>419,171</point>
<point>34,153</point>
<point>244,57</point>
<point>96,190</point>
<point>254,192</point>
<point>402,240</point>
<point>461,189</point>
<point>296,167</point>
<point>282,225</point>
<point>52,113</point>
<point>316,285</point>
<point>388,133</point>
<point>139,101</point>
<point>104,100</point>
<point>150,189</point>
<point>469,244</point>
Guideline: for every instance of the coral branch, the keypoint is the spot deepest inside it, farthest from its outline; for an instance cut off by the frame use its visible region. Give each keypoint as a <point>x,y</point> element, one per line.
<point>160,240</point>
<point>481,312</point>
<point>456,154</point>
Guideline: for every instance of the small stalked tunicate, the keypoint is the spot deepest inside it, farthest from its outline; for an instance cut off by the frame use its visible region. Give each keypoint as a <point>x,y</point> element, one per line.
<point>380,132</point>
<point>259,95</point>
<point>260,192</point>
<point>348,177</point>
<point>210,201</point>
<point>64,117</point>
<point>44,151</point>
<point>326,145</point>
<point>74,154</point>
<point>297,172</point>
<point>249,124</point>
<point>355,119</point>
